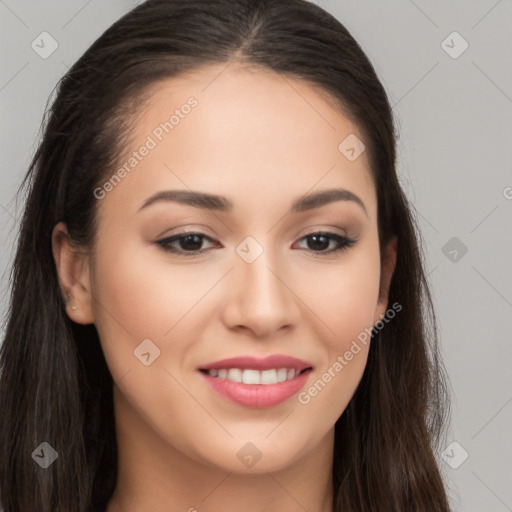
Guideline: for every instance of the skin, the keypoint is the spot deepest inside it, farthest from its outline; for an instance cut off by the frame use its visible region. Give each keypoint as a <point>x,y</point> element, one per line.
<point>262,141</point>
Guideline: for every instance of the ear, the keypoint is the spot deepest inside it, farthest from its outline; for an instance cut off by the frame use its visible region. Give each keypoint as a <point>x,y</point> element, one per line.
<point>74,278</point>
<point>388,262</point>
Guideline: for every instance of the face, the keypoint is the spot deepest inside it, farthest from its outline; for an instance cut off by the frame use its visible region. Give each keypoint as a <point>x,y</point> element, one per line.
<point>176,286</point>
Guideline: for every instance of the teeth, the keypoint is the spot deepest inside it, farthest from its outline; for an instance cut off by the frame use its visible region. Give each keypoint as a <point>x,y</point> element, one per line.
<point>235,374</point>
<point>272,376</point>
<point>251,377</point>
<point>268,377</point>
<point>282,373</point>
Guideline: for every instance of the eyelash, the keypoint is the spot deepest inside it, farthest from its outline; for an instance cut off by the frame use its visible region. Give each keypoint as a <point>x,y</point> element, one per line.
<point>344,243</point>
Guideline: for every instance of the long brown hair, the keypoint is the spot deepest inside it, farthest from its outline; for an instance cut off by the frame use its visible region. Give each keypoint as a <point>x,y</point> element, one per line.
<point>55,385</point>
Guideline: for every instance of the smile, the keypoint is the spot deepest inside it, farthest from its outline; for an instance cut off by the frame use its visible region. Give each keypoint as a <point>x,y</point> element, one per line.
<point>257,382</point>
<point>250,376</point>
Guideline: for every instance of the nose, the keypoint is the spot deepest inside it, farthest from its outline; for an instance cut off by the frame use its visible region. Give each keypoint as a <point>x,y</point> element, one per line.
<point>261,299</point>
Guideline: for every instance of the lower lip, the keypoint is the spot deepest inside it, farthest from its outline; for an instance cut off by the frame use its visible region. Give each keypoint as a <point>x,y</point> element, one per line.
<point>257,396</point>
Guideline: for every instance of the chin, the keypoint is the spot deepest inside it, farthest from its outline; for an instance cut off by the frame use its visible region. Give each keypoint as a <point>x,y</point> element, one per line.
<point>246,457</point>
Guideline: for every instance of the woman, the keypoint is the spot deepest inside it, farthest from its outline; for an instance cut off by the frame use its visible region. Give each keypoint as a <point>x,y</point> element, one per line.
<point>218,296</point>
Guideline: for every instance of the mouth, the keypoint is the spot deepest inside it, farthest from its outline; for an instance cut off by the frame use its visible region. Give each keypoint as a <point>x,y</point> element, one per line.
<point>257,383</point>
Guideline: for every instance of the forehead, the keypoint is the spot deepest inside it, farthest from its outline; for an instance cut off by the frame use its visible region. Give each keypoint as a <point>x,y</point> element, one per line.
<point>236,131</point>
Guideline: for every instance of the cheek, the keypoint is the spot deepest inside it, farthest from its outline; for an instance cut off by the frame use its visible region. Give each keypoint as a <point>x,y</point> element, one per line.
<point>139,295</point>
<point>346,305</point>
<point>344,296</point>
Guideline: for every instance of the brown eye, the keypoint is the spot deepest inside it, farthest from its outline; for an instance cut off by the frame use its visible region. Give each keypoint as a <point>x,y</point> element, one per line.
<point>189,243</point>
<point>319,242</point>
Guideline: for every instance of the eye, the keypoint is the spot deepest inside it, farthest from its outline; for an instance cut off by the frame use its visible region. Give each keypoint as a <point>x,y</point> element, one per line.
<point>190,243</point>
<point>319,241</point>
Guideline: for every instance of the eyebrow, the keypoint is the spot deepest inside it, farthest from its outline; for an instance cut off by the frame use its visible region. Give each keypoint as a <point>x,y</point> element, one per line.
<point>222,204</point>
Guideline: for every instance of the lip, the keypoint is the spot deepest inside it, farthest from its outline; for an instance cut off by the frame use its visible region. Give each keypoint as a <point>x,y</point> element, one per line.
<point>257,396</point>
<point>255,363</point>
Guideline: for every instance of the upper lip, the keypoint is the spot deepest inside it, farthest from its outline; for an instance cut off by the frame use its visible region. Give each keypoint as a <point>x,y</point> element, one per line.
<point>254,363</point>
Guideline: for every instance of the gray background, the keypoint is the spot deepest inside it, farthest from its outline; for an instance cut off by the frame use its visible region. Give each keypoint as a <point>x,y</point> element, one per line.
<point>454,117</point>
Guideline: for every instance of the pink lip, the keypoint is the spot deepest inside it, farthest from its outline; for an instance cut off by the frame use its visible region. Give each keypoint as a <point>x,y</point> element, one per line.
<point>257,396</point>
<point>254,363</point>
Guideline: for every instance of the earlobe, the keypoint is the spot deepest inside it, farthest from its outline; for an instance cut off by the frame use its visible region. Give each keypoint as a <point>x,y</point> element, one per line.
<point>72,267</point>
